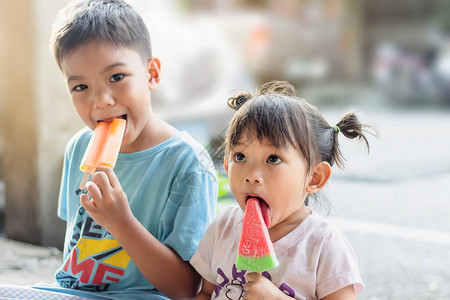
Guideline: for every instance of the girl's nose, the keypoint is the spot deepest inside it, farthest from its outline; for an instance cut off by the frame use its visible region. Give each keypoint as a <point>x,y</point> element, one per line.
<point>253,176</point>
<point>254,180</point>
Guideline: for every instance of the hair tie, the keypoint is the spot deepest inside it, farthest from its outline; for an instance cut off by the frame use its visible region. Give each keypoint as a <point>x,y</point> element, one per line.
<point>336,129</point>
<point>241,99</point>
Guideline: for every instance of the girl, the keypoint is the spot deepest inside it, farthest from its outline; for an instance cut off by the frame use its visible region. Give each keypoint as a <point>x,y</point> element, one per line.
<point>280,150</point>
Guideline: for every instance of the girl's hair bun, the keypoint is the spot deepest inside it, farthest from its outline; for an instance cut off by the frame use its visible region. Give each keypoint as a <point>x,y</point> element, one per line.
<point>273,87</point>
<point>277,87</point>
<point>237,101</point>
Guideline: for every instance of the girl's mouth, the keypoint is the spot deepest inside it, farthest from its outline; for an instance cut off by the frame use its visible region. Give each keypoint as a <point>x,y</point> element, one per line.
<point>265,210</point>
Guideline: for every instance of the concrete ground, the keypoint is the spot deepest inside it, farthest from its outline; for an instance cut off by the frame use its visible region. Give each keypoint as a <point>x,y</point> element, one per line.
<point>26,264</point>
<point>392,204</point>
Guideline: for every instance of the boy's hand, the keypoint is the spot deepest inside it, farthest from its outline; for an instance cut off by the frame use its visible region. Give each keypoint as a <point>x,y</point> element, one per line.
<point>259,287</point>
<point>109,205</point>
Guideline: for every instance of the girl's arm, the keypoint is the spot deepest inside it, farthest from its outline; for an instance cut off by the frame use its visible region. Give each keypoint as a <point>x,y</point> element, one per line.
<point>346,293</point>
<point>206,291</point>
<point>160,265</point>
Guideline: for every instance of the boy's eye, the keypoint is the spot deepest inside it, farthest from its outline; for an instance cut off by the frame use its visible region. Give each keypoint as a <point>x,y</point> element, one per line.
<point>116,77</point>
<point>274,159</point>
<point>239,157</point>
<point>79,87</point>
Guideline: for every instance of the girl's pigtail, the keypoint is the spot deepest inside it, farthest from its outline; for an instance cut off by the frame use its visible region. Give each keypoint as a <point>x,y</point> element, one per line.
<point>237,101</point>
<point>351,128</point>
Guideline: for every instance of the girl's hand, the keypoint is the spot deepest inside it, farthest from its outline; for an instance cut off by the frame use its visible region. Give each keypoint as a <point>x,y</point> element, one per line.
<point>109,205</point>
<point>259,287</point>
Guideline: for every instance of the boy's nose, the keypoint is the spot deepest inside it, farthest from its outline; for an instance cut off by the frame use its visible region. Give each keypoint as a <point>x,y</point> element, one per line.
<point>102,99</point>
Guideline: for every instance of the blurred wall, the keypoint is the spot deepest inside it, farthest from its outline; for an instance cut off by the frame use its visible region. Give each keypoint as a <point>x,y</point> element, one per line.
<point>19,155</point>
<point>208,48</point>
<point>36,121</point>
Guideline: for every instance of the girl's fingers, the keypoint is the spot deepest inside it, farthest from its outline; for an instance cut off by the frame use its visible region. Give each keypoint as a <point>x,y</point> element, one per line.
<point>252,276</point>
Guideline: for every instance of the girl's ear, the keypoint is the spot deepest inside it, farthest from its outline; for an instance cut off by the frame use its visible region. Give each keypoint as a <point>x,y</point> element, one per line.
<point>154,72</point>
<point>320,173</point>
<point>225,163</point>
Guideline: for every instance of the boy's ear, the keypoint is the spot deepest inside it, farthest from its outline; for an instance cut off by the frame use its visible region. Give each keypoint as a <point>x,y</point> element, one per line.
<point>320,173</point>
<point>154,72</point>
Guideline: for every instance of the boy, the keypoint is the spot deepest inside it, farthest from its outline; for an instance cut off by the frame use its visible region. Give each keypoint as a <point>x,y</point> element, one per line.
<point>159,199</point>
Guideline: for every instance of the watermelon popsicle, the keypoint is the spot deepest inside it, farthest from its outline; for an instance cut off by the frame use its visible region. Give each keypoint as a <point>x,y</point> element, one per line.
<point>103,147</point>
<point>255,252</point>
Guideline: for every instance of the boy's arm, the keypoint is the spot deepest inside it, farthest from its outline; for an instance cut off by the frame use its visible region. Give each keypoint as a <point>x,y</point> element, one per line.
<point>162,266</point>
<point>206,290</point>
<point>159,264</point>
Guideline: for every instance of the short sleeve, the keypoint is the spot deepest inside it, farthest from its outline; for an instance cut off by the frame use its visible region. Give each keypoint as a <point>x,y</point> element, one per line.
<point>190,209</point>
<point>63,190</point>
<point>338,265</point>
<point>203,257</point>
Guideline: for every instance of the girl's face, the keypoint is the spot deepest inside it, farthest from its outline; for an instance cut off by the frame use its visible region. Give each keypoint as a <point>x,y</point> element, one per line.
<point>275,175</point>
<point>105,82</point>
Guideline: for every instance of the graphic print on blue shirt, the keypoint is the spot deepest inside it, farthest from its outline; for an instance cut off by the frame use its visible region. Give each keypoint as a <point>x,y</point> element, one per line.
<point>95,259</point>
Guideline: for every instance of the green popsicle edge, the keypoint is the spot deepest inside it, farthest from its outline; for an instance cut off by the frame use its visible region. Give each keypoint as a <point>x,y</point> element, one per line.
<point>256,264</point>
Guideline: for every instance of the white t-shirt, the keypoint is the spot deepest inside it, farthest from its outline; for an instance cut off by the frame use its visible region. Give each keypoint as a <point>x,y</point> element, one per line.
<point>315,258</point>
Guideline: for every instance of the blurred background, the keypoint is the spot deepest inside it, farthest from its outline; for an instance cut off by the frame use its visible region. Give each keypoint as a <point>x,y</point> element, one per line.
<point>389,60</point>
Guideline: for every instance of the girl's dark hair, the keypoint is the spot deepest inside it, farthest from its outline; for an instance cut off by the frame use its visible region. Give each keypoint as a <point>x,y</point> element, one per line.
<point>277,116</point>
<point>112,21</point>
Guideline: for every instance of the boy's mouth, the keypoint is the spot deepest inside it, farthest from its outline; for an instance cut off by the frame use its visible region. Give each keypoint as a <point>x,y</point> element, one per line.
<point>265,210</point>
<point>110,119</point>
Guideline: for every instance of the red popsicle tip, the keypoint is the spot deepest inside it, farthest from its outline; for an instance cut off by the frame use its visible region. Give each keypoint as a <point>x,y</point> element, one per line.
<point>265,210</point>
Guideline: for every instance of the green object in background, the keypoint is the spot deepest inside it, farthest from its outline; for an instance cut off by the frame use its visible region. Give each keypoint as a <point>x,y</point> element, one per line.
<point>224,202</point>
<point>224,188</point>
<point>441,16</point>
<point>225,197</point>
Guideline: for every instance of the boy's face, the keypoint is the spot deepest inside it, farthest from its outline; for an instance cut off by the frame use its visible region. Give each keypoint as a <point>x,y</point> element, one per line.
<point>105,82</point>
<point>275,175</point>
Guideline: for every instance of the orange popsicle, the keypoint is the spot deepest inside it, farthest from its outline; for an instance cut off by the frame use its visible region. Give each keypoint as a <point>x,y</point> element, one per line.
<point>103,147</point>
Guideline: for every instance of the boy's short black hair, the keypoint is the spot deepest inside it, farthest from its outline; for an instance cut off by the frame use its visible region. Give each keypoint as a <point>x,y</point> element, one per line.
<point>112,21</point>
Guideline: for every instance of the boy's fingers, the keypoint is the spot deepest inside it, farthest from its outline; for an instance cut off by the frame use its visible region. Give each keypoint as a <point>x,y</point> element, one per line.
<point>101,180</point>
<point>93,190</point>
<point>86,202</point>
<point>112,177</point>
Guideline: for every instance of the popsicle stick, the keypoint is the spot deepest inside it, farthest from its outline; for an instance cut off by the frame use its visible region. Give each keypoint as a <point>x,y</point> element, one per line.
<point>85,179</point>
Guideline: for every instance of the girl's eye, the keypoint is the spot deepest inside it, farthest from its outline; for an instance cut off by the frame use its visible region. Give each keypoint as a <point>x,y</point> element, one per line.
<point>116,77</point>
<point>274,159</point>
<point>239,157</point>
<point>79,87</point>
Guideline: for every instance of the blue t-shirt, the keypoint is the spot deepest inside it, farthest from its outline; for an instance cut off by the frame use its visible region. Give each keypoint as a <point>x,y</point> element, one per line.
<point>172,191</point>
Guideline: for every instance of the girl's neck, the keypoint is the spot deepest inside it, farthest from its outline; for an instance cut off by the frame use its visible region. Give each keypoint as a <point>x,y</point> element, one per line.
<point>290,223</point>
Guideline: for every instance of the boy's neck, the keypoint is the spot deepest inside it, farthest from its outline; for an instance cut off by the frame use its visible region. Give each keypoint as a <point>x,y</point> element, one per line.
<point>156,132</point>
<point>161,131</point>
